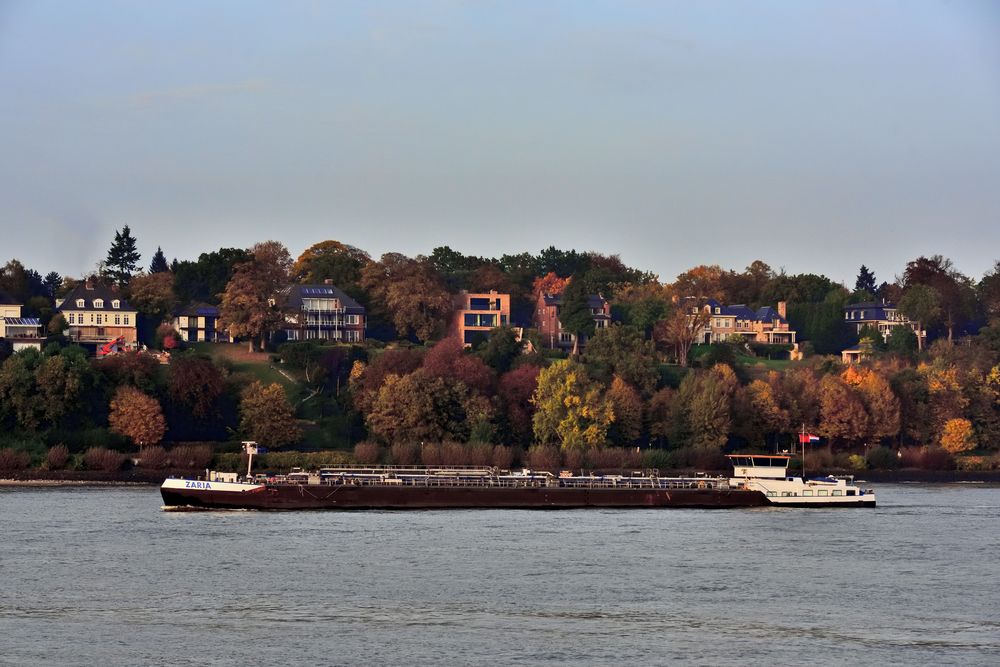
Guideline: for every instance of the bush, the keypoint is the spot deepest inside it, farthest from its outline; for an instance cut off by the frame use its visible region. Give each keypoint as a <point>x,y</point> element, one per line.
<point>367,452</point>
<point>57,457</point>
<point>502,457</point>
<point>404,453</point>
<point>103,459</point>
<point>454,454</point>
<point>883,458</point>
<point>857,462</point>
<point>13,459</point>
<point>977,463</point>
<point>191,456</point>
<point>542,457</point>
<point>430,454</point>
<point>153,458</point>
<point>936,458</point>
<point>573,459</point>
<point>658,459</point>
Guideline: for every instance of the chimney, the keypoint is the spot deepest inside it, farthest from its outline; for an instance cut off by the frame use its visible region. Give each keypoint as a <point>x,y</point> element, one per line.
<point>328,281</point>
<point>783,309</point>
<point>89,284</point>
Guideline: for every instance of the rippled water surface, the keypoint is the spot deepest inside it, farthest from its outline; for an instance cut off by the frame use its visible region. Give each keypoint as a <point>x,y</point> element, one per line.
<point>104,577</point>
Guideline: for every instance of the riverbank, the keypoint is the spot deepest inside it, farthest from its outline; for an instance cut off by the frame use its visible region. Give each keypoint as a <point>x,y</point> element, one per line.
<point>139,477</point>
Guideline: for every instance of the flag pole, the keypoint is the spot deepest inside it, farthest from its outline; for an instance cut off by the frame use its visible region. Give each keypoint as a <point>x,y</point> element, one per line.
<point>802,446</point>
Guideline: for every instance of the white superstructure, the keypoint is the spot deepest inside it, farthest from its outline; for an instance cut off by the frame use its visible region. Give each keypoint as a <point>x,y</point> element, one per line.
<point>769,475</point>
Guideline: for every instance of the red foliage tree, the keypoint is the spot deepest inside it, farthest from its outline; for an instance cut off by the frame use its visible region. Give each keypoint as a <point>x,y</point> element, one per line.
<point>449,360</point>
<point>515,390</point>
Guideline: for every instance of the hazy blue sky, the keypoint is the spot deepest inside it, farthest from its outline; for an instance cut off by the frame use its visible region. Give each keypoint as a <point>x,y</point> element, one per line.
<point>813,135</point>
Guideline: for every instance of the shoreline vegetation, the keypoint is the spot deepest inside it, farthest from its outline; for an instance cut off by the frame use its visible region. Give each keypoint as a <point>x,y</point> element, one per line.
<point>590,364</point>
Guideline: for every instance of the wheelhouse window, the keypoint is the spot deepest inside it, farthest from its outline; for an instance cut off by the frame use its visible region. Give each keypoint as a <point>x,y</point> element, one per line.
<point>836,493</point>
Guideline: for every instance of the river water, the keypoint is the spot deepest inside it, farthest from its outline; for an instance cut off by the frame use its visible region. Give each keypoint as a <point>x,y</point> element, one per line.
<point>102,576</point>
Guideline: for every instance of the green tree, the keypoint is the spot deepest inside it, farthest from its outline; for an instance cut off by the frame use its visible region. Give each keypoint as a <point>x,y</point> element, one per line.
<point>123,258</point>
<point>501,349</point>
<point>626,353</point>
<point>575,314</point>
<point>153,295</point>
<point>18,390</point>
<point>331,260</point>
<point>65,381</point>
<point>902,341</point>
<point>267,417</point>
<point>206,279</point>
<point>922,304</point>
<point>569,408</point>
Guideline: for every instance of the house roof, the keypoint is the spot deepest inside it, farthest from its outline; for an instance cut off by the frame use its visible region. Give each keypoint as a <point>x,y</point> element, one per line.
<point>870,304</point>
<point>742,312</point>
<point>7,299</point>
<point>94,293</point>
<point>593,300</point>
<point>22,321</point>
<point>291,297</point>
<point>197,309</point>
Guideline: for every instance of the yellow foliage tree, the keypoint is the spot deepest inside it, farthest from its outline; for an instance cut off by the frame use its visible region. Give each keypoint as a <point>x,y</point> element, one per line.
<point>957,436</point>
<point>569,407</point>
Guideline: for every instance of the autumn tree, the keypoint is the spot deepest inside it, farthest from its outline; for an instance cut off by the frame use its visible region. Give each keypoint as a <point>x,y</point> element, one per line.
<point>842,413</point>
<point>366,379</point>
<point>550,284</point>
<point>955,291</point>
<point>247,307</point>
<point>701,283</point>
<point>659,415</point>
<point>123,257</point>
<point>757,413</point>
<point>957,436</point>
<point>626,403</point>
<point>569,408</point>
<point>450,360</point>
<point>880,402</point>
<point>411,292</point>
<point>681,330</point>
<point>196,382</point>
<point>421,408</point>
<point>137,416</point>
<point>515,390</point>
<point>153,294</point>
<point>267,417</point>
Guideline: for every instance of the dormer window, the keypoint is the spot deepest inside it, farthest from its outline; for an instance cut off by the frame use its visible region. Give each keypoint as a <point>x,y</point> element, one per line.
<point>98,303</point>
<point>116,304</point>
<point>718,310</point>
<point>79,303</point>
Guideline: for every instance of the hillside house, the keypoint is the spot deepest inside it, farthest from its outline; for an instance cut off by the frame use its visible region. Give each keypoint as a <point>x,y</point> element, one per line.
<point>764,325</point>
<point>476,314</point>
<point>21,332</point>
<point>546,319</point>
<point>321,312</point>
<point>199,322</point>
<point>98,314</point>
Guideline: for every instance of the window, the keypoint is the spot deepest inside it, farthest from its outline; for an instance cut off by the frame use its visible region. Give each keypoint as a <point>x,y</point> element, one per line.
<point>126,320</point>
<point>118,318</point>
<point>718,310</point>
<point>99,319</point>
<point>836,493</point>
<point>851,492</point>
<point>565,337</point>
<point>807,493</point>
<point>116,304</point>
<point>79,303</point>
<point>72,318</point>
<point>822,492</point>
<point>98,303</point>
<point>352,319</point>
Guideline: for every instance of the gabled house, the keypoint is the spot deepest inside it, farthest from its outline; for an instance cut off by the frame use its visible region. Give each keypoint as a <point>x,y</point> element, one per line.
<point>199,321</point>
<point>98,314</point>
<point>546,319</point>
<point>321,312</point>
<point>21,332</point>
<point>882,316</point>
<point>764,325</point>
<point>476,314</point>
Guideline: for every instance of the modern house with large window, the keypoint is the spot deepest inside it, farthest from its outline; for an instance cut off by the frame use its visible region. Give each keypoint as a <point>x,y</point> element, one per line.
<point>20,332</point>
<point>98,314</point>
<point>199,322</point>
<point>476,314</point>
<point>321,312</point>
<point>546,319</point>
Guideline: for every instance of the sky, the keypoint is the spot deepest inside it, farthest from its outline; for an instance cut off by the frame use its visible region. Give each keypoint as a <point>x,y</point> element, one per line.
<point>816,136</point>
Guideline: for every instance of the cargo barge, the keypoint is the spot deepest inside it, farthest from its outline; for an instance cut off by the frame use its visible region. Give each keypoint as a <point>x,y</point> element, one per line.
<point>753,484</point>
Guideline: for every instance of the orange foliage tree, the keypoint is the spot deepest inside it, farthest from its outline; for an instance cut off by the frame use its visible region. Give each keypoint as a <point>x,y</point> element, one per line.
<point>137,416</point>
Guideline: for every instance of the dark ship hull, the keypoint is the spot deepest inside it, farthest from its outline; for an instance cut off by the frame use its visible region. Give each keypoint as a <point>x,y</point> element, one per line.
<point>348,497</point>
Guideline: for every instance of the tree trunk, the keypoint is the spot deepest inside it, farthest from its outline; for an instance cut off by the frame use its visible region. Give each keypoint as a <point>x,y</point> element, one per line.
<point>250,343</point>
<point>920,339</point>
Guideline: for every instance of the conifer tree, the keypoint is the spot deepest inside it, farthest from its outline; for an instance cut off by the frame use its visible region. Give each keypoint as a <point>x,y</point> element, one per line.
<point>159,263</point>
<point>865,281</point>
<point>123,258</point>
